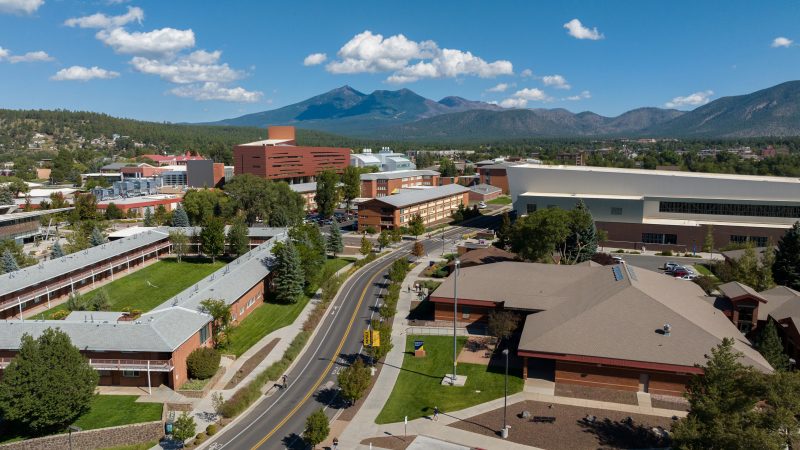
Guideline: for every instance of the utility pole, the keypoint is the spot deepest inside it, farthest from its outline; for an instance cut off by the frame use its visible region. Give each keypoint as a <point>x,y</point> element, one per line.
<point>504,432</point>
<point>455,319</point>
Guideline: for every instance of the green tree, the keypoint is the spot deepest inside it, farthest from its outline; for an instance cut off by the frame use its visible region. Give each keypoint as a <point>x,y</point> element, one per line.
<point>327,196</point>
<point>203,204</point>
<point>56,252</point>
<point>99,302</point>
<point>354,381</point>
<point>396,234</point>
<point>723,413</point>
<point>504,232</point>
<point>148,217</point>
<point>447,168</point>
<point>184,427</point>
<point>581,243</point>
<point>212,238</point>
<point>238,240</point>
<point>310,245</point>
<point>317,428</point>
<point>86,206</point>
<point>416,225</point>
<point>113,212</point>
<point>786,269</point>
<point>76,302</point>
<point>398,270</point>
<point>63,167</point>
<point>502,324</point>
<point>289,277</point>
<point>384,239</point>
<point>222,318</point>
<point>249,192</point>
<point>97,237</point>
<point>48,385</point>
<point>764,275</point>
<point>180,243</point>
<point>419,249</point>
<point>771,348</point>
<point>366,246</point>
<point>351,184</point>
<point>708,242</point>
<point>9,263</point>
<point>334,243</point>
<point>538,236</point>
<point>160,215</point>
<point>179,218</point>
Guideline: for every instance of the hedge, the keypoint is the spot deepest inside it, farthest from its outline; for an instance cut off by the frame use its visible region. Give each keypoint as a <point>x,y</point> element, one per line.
<point>203,363</point>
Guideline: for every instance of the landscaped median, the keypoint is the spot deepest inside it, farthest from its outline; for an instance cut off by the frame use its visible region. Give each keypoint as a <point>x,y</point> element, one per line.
<point>419,385</point>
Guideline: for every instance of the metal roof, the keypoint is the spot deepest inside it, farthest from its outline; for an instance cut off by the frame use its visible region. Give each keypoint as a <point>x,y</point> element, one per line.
<point>267,142</point>
<point>395,174</point>
<point>412,197</point>
<point>27,214</point>
<point>304,187</point>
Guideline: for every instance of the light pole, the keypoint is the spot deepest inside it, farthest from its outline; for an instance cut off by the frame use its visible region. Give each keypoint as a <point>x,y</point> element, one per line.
<point>442,241</point>
<point>505,399</point>
<point>71,429</point>
<point>455,318</point>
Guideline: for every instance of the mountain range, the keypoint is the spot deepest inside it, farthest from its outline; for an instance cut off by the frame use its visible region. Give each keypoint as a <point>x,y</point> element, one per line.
<point>403,114</point>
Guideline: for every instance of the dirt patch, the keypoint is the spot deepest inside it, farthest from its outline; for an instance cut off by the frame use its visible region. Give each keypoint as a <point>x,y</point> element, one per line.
<point>390,442</point>
<point>610,429</point>
<point>600,394</point>
<point>251,364</point>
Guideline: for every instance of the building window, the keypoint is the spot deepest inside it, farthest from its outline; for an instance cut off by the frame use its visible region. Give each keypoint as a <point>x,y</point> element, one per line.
<point>130,373</point>
<point>251,302</point>
<point>204,334</point>
<point>104,373</point>
<point>616,211</point>
<point>659,238</point>
<point>730,209</point>
<point>530,208</point>
<point>465,312</point>
<point>241,311</point>
<point>758,241</point>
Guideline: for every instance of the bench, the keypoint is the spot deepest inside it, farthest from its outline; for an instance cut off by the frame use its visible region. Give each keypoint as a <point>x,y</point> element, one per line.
<point>543,419</point>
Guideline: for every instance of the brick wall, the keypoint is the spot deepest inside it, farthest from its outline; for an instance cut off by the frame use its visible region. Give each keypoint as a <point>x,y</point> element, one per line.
<point>619,378</point>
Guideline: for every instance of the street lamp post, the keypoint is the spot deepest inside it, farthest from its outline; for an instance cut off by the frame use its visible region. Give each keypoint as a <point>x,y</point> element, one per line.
<point>442,241</point>
<point>455,318</point>
<point>505,399</point>
<point>71,429</point>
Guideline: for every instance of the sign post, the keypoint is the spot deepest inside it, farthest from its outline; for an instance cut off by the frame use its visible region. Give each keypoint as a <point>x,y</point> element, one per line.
<point>405,426</point>
<point>367,338</point>
<point>419,349</point>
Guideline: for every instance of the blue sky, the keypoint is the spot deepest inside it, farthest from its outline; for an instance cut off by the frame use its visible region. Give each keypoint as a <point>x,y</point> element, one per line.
<point>209,60</point>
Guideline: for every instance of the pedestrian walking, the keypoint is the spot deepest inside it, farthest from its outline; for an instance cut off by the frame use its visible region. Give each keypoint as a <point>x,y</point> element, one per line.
<point>335,443</point>
<point>285,382</point>
<point>435,413</point>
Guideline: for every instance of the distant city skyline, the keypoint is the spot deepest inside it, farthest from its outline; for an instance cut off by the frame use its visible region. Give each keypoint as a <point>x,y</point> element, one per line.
<point>203,61</point>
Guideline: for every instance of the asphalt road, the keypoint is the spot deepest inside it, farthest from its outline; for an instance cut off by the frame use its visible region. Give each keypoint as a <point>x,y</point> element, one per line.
<point>656,263</point>
<point>279,418</point>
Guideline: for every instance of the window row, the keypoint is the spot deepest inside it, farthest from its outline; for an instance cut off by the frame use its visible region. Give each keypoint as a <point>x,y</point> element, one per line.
<point>730,209</point>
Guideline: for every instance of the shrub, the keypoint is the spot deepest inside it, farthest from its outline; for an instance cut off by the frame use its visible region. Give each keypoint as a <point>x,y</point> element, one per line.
<point>203,363</point>
<point>370,230</point>
<point>59,315</point>
<point>200,438</point>
<point>666,253</point>
<point>211,429</point>
<point>619,251</point>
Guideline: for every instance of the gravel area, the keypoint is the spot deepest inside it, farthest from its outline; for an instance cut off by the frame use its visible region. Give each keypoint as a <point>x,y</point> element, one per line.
<point>600,394</point>
<point>569,432</point>
<point>390,442</point>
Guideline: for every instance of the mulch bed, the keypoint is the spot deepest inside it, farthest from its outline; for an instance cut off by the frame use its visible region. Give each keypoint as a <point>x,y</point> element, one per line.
<point>390,442</point>
<point>569,431</point>
<point>251,364</point>
<point>350,412</point>
<point>599,394</point>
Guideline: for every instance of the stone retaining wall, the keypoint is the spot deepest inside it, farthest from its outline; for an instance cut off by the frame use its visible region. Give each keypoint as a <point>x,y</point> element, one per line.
<point>92,439</point>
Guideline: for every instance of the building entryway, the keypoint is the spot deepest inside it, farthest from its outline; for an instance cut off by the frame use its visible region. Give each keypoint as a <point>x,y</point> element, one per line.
<point>541,376</point>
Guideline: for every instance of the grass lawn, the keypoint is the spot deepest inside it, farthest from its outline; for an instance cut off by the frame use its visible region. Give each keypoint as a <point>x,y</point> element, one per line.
<point>702,270</point>
<point>271,316</point>
<point>106,411</point>
<point>504,200</point>
<point>418,388</point>
<point>170,277</point>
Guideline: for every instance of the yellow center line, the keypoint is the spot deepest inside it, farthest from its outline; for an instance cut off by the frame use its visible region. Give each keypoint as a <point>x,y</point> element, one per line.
<point>330,364</point>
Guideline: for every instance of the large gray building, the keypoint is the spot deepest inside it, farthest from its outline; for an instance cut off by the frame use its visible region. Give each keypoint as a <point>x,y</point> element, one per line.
<point>663,209</point>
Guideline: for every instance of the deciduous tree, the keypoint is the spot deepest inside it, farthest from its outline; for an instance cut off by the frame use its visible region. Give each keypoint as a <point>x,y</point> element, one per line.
<point>502,324</point>
<point>327,196</point>
<point>351,184</point>
<point>419,249</point>
<point>238,241</point>
<point>317,428</point>
<point>354,381</point>
<point>212,238</point>
<point>384,239</point>
<point>310,245</point>
<point>366,246</point>
<point>184,427</point>
<point>220,313</point>
<point>708,241</point>
<point>180,243</point>
<point>416,225</point>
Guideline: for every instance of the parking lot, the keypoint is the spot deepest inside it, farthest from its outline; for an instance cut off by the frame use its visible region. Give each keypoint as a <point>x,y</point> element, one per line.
<point>656,263</point>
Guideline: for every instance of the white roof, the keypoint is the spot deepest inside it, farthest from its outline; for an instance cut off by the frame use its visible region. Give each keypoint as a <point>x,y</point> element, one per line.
<point>412,197</point>
<point>567,195</point>
<point>267,142</point>
<point>366,158</point>
<point>43,192</point>
<point>668,173</point>
<point>697,223</point>
<point>139,199</point>
<point>394,174</point>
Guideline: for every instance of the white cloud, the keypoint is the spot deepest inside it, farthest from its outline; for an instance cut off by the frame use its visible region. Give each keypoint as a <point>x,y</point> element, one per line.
<point>782,42</point>
<point>521,98</point>
<point>526,73</point>
<point>556,81</point>
<point>38,56</point>
<point>198,66</point>
<point>79,73</point>
<point>4,53</point>
<point>20,6</point>
<point>514,103</point>
<point>164,41</point>
<point>315,59</point>
<point>583,95</point>
<point>576,29</point>
<point>695,99</point>
<point>502,87</point>
<point>215,91</point>
<point>100,20</point>
<point>409,60</point>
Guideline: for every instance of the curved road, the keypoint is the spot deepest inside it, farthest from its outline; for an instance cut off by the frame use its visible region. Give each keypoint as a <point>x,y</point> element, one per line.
<point>278,419</point>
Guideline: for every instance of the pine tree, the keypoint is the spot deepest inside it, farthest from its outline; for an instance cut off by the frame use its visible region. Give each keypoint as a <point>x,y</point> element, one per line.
<point>317,428</point>
<point>289,276</point>
<point>238,241</point>
<point>212,238</point>
<point>771,348</point>
<point>148,218</point>
<point>48,385</point>
<point>581,244</point>
<point>180,218</point>
<point>9,262</point>
<point>56,251</point>
<point>97,237</point>
<point>334,243</point>
<point>786,269</point>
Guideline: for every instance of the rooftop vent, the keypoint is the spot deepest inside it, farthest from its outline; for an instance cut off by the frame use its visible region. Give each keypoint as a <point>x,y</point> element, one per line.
<point>667,328</point>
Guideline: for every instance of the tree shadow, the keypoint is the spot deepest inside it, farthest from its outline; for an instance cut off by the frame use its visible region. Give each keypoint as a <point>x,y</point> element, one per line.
<point>331,397</point>
<point>294,442</point>
<point>624,434</point>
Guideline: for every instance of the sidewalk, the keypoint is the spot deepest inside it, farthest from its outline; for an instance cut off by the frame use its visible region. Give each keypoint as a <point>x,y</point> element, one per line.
<point>700,255</point>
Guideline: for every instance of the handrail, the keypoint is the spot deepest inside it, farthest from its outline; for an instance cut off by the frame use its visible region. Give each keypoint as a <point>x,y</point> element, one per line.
<point>117,364</point>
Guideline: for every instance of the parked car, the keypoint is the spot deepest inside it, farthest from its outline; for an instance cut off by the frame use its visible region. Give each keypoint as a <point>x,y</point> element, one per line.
<point>680,272</point>
<point>481,205</point>
<point>669,266</point>
<point>689,277</point>
<point>618,259</point>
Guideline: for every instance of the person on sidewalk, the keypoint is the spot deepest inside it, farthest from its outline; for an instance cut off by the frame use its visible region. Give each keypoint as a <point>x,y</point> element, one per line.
<point>285,382</point>
<point>335,443</point>
<point>435,413</point>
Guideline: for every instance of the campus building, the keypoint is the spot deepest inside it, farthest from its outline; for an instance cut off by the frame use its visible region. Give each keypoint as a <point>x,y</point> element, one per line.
<point>611,327</point>
<point>308,191</point>
<point>280,158</point>
<point>380,184</point>
<point>385,160</point>
<point>484,193</point>
<point>663,209</point>
<point>173,160</point>
<point>435,205</point>
<point>24,226</point>
<point>152,349</point>
<point>495,174</point>
<point>136,206</point>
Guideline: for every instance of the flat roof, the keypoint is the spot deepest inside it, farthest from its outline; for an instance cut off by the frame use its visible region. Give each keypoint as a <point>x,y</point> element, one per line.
<point>304,187</point>
<point>395,174</point>
<point>697,223</point>
<point>666,173</point>
<point>484,188</point>
<point>268,142</point>
<point>412,197</point>
<point>27,214</point>
<point>140,199</point>
<point>568,195</point>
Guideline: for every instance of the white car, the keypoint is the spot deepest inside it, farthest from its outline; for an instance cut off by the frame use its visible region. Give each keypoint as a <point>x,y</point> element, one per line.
<point>689,277</point>
<point>618,259</point>
<point>481,205</point>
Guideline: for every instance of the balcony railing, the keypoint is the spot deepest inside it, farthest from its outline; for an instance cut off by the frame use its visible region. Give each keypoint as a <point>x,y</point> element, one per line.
<point>154,365</point>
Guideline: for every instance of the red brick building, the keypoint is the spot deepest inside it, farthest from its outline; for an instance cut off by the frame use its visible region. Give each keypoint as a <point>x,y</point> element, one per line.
<point>495,175</point>
<point>435,205</point>
<point>380,184</point>
<point>280,158</point>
